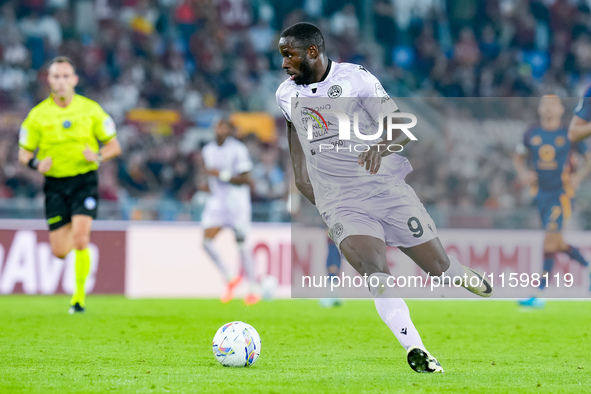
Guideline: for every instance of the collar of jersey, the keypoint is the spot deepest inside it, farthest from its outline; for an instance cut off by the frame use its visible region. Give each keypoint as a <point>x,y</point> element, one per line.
<point>327,74</point>
<point>54,103</point>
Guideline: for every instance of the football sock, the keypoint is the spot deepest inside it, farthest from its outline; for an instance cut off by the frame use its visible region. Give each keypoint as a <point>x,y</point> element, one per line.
<point>394,312</point>
<point>82,265</point>
<point>576,255</point>
<point>548,264</point>
<point>213,253</point>
<point>455,269</point>
<point>333,260</point>
<point>247,264</point>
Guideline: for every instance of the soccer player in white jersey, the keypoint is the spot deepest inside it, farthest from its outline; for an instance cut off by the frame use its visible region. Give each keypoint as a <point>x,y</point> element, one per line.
<point>362,197</point>
<point>228,167</point>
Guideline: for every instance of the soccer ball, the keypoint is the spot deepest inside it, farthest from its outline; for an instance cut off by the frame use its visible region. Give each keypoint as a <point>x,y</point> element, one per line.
<point>236,344</point>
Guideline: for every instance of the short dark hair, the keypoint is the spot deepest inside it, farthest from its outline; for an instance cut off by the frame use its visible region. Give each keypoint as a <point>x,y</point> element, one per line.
<point>305,34</point>
<point>62,59</point>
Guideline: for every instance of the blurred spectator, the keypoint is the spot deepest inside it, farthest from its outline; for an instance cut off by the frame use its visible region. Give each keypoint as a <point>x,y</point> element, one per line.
<point>203,57</point>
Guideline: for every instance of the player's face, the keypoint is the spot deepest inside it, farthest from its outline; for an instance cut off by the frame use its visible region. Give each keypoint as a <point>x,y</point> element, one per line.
<point>62,79</point>
<point>550,108</point>
<point>222,131</point>
<point>295,61</point>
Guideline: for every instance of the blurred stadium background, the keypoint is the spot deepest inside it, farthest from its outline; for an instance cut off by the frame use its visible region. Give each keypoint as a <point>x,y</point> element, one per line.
<point>167,69</point>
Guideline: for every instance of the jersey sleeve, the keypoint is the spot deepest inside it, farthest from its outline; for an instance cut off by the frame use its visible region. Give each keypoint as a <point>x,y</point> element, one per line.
<point>523,146</point>
<point>583,110</point>
<point>283,102</point>
<point>104,127</point>
<point>242,162</point>
<point>373,96</point>
<point>581,147</point>
<point>29,134</point>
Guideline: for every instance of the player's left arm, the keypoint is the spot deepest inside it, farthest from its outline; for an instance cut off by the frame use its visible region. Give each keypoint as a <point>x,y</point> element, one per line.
<point>582,171</point>
<point>110,150</point>
<point>104,130</point>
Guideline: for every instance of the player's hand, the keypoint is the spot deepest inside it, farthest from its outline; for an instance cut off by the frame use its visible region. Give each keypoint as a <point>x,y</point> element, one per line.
<point>530,178</point>
<point>372,159</point>
<point>213,172</point>
<point>575,181</point>
<point>90,155</point>
<point>44,165</point>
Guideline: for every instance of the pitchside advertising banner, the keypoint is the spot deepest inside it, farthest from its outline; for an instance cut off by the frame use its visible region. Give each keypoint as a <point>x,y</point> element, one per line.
<point>166,260</point>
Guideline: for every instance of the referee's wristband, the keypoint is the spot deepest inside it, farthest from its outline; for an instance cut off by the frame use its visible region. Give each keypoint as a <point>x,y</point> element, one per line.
<point>33,163</point>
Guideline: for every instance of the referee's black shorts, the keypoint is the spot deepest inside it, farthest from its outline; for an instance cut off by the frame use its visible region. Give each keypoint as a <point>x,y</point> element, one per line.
<point>74,195</point>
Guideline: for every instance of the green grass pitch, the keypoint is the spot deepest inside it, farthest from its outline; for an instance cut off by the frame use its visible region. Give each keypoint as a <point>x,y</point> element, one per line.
<point>158,346</point>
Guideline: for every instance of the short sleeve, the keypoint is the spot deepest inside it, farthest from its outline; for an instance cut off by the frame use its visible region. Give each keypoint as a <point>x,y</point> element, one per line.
<point>524,146</point>
<point>581,147</point>
<point>583,110</point>
<point>242,162</point>
<point>283,102</point>
<point>104,126</point>
<point>29,134</point>
<point>373,96</point>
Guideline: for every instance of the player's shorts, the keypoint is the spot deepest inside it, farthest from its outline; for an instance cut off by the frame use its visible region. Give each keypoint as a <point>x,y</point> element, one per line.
<point>216,215</point>
<point>65,197</point>
<point>396,216</point>
<point>555,210</point>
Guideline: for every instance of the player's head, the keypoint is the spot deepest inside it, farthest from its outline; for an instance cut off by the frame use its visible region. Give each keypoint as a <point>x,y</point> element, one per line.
<point>223,129</point>
<point>302,48</point>
<point>550,108</point>
<point>62,77</point>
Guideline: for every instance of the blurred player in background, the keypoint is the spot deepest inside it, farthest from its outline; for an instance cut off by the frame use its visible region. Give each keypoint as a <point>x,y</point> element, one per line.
<point>365,205</point>
<point>228,167</point>
<point>333,267</point>
<point>580,124</point>
<point>67,128</point>
<point>553,181</point>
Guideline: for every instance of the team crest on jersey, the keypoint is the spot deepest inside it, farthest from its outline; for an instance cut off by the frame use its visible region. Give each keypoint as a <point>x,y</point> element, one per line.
<point>67,124</point>
<point>559,141</point>
<point>536,140</point>
<point>336,231</point>
<point>335,91</point>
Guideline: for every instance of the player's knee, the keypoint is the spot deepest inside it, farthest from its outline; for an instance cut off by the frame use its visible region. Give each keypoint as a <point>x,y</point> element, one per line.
<point>551,246</point>
<point>59,252</point>
<point>81,241</point>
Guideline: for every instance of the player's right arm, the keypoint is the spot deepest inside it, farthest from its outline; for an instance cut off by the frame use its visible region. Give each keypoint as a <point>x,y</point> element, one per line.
<point>580,124</point>
<point>579,129</point>
<point>298,162</point>
<point>28,142</point>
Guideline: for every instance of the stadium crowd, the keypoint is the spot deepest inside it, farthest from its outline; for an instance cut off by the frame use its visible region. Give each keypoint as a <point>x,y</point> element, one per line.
<point>206,58</point>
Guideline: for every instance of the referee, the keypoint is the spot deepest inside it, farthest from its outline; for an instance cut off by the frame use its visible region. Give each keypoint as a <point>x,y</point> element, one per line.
<point>66,128</point>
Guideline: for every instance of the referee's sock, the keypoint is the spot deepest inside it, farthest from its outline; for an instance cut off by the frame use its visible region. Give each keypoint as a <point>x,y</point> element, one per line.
<point>82,270</point>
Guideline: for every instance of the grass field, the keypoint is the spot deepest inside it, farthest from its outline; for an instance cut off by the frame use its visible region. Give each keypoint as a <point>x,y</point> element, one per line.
<point>147,346</point>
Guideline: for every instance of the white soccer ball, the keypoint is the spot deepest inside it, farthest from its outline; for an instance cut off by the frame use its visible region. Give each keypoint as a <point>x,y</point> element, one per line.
<point>236,344</point>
